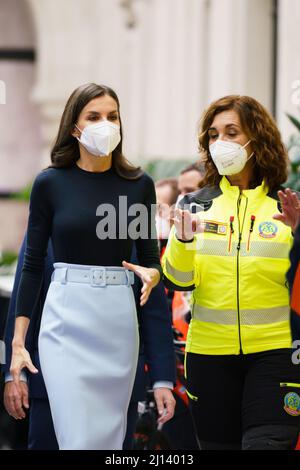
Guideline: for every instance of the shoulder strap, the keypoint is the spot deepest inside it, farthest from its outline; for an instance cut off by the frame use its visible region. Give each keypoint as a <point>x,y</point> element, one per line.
<point>200,200</point>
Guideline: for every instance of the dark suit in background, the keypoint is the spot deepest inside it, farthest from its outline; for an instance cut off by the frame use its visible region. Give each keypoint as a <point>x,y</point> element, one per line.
<point>291,274</point>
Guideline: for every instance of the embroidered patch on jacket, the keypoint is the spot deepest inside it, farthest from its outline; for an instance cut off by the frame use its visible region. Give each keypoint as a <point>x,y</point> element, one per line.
<point>292,404</point>
<point>267,229</point>
<point>215,227</point>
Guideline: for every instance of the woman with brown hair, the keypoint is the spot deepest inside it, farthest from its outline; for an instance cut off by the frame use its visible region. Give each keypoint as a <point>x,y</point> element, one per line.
<point>86,202</point>
<point>230,244</point>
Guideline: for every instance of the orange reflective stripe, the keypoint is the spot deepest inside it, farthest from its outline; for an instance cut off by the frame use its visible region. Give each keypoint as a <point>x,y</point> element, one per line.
<point>180,308</point>
<point>295,300</point>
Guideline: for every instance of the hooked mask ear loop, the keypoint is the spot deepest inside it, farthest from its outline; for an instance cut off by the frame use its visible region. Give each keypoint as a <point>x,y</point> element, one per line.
<point>244,146</point>
<point>78,138</point>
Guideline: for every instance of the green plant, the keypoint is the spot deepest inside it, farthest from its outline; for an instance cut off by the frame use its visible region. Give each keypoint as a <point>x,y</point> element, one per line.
<point>23,194</point>
<point>160,169</point>
<point>293,146</point>
<point>7,258</point>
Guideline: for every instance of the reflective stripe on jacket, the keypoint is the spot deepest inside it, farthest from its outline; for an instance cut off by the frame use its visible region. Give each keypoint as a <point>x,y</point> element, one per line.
<point>236,269</point>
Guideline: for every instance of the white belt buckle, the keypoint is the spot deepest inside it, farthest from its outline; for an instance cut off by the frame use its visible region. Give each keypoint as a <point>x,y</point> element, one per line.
<point>98,277</point>
<point>129,277</point>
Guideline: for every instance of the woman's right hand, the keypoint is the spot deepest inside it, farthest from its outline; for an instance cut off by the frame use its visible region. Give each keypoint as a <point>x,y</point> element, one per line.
<point>20,359</point>
<point>187,224</point>
<point>15,402</point>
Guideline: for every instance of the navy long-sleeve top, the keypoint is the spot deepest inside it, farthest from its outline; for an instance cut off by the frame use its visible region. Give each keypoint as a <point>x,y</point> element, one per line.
<point>92,218</point>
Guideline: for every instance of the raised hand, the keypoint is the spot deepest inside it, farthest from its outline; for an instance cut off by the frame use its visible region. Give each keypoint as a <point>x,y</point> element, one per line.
<point>187,224</point>
<point>290,204</point>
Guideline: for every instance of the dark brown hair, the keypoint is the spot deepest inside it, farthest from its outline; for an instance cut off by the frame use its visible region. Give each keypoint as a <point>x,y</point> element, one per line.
<point>65,151</point>
<point>270,156</point>
<point>199,167</point>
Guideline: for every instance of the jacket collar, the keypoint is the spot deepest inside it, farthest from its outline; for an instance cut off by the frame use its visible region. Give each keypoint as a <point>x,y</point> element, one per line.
<point>234,191</point>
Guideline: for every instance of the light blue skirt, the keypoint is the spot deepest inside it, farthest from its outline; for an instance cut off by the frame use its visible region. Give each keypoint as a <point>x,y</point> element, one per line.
<point>88,347</point>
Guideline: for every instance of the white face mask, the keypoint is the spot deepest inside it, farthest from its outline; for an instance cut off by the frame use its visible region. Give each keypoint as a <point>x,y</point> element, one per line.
<point>101,138</point>
<point>229,157</point>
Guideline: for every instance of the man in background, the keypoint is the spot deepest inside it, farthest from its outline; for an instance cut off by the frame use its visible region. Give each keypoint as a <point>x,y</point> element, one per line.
<point>190,177</point>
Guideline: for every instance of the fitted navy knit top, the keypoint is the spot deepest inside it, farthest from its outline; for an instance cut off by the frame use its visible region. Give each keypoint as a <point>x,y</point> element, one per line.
<point>92,218</point>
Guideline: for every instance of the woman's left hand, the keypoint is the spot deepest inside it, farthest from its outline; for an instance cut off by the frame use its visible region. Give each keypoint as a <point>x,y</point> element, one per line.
<point>165,403</point>
<point>290,209</point>
<point>150,278</point>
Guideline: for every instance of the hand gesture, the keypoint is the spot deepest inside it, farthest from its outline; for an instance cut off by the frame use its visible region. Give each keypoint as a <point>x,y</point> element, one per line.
<point>149,276</point>
<point>290,204</point>
<point>165,403</point>
<point>16,400</point>
<point>187,224</point>
<point>20,359</point>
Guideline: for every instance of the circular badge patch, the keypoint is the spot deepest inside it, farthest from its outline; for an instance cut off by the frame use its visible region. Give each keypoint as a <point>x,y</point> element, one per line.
<point>222,229</point>
<point>292,404</point>
<point>267,229</point>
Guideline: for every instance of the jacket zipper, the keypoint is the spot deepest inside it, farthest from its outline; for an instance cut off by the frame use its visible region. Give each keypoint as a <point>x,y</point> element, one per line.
<point>231,232</point>
<point>238,262</point>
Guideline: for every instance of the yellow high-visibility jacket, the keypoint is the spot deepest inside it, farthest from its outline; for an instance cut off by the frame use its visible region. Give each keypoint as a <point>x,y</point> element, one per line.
<point>236,269</point>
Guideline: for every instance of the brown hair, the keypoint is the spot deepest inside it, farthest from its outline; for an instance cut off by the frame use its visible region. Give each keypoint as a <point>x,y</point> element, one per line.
<point>270,156</point>
<point>65,151</point>
<point>199,167</point>
<point>173,184</point>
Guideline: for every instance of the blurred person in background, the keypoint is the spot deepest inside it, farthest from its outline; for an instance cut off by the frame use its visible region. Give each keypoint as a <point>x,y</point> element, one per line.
<point>179,430</point>
<point>293,277</point>
<point>190,178</point>
<point>188,182</point>
<point>169,191</point>
<point>230,244</point>
<point>88,339</point>
<point>166,196</point>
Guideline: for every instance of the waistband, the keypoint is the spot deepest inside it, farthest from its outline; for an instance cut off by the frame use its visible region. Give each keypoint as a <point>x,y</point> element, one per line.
<point>96,276</point>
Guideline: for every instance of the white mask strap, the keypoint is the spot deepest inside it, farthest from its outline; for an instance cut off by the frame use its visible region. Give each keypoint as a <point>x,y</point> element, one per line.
<point>244,146</point>
<point>78,128</point>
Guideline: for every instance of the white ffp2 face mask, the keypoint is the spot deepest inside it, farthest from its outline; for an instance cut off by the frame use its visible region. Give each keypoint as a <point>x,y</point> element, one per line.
<point>230,158</point>
<point>101,138</point>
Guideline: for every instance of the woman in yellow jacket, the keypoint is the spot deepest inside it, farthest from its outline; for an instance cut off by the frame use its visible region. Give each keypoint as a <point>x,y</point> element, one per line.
<point>230,244</point>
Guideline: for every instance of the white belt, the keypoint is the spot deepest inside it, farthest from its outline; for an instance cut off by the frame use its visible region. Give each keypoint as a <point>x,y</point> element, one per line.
<point>96,277</point>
